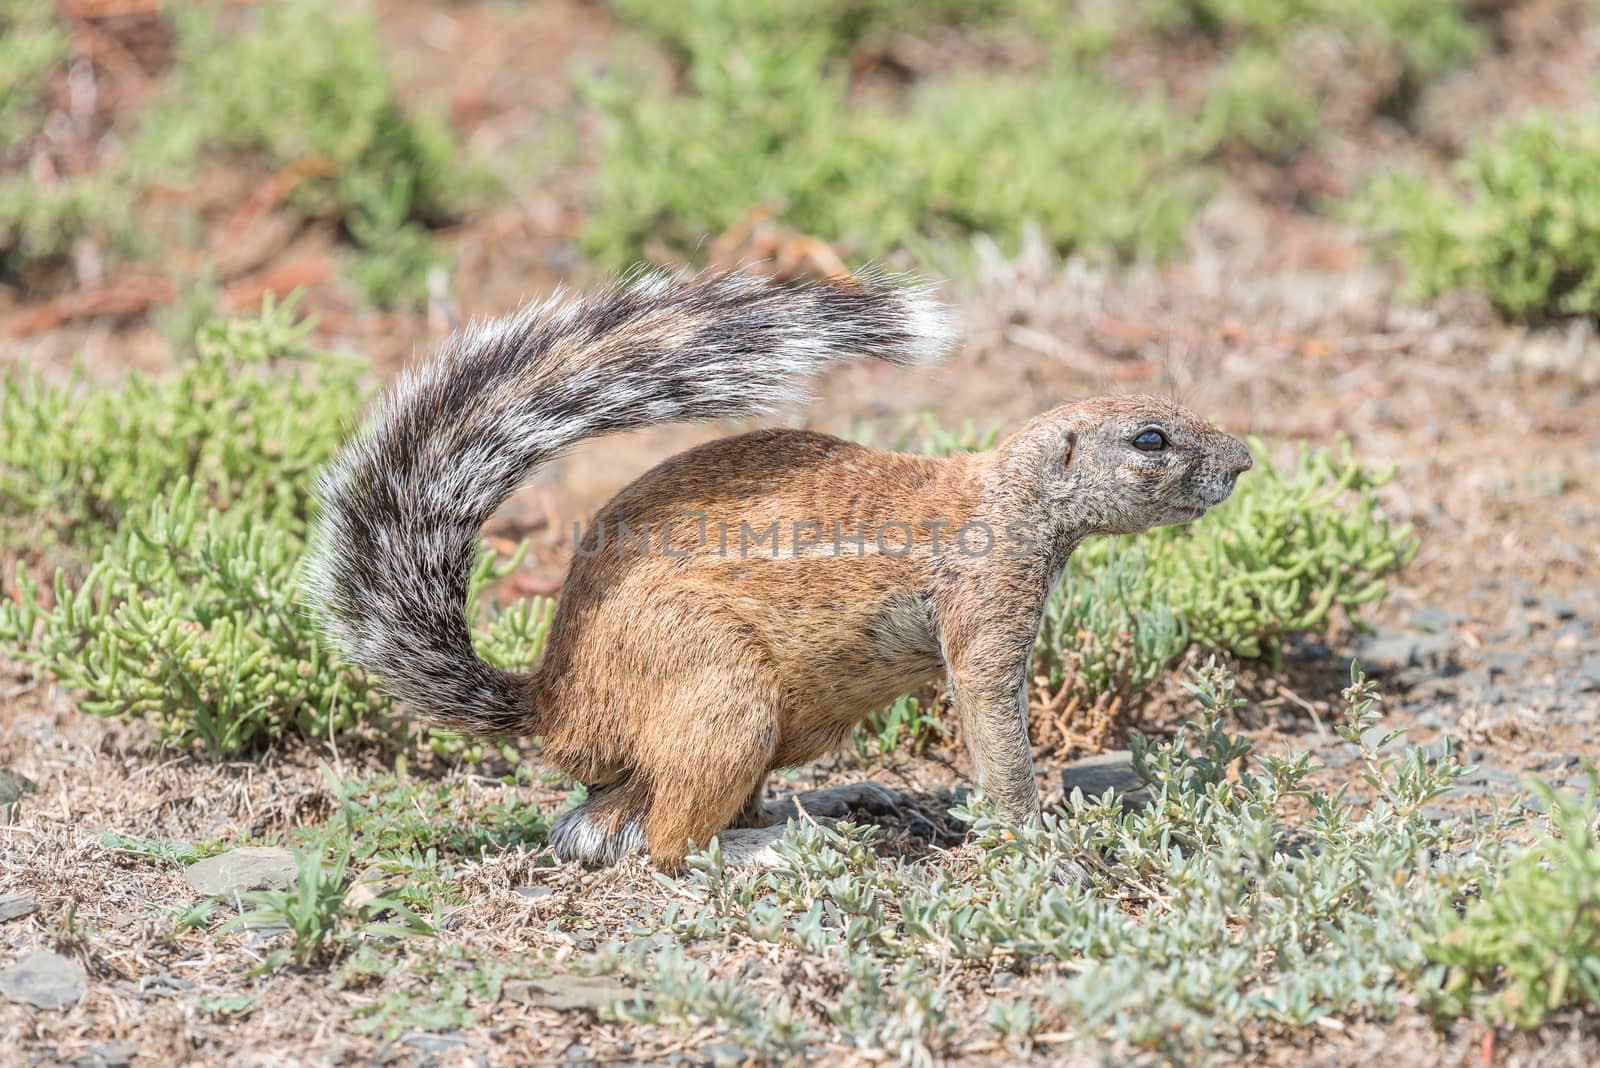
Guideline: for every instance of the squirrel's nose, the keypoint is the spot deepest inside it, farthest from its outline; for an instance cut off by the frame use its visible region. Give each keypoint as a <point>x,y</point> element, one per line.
<point>1242,461</point>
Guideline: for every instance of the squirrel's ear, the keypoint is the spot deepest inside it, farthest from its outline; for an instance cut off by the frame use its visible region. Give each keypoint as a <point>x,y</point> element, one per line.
<point>1069,447</point>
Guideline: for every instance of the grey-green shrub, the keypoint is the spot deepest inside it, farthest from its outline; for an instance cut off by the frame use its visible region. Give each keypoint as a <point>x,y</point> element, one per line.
<point>1520,222</point>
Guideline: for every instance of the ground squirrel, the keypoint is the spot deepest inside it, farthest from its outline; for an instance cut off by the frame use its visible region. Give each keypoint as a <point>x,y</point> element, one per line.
<point>741,607</point>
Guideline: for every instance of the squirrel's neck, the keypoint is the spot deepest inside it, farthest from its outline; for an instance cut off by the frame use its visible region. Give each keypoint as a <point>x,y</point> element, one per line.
<point>1007,488</point>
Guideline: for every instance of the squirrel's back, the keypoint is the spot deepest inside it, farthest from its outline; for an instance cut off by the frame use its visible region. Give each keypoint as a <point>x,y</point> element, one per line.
<point>401,506</point>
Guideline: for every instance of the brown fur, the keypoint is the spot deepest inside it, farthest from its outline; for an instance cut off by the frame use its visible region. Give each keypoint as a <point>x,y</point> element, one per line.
<point>674,683</point>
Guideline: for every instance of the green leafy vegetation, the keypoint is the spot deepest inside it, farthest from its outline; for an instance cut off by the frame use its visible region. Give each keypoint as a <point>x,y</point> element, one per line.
<point>306,85</point>
<point>1428,35</point>
<point>304,81</point>
<point>40,221</point>
<point>31,46</point>
<point>301,88</point>
<point>181,504</point>
<point>189,620</point>
<point>1530,945</point>
<point>420,828</point>
<point>766,127</point>
<point>247,422</point>
<point>905,726</point>
<point>1284,65</point>
<point>771,123</point>
<point>1520,224</point>
<point>318,910</point>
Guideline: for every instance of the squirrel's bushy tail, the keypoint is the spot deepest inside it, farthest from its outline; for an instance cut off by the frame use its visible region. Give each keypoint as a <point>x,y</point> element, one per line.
<point>393,548</point>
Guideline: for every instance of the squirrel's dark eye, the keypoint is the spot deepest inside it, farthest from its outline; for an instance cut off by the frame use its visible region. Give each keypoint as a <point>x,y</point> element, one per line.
<point>1150,441</point>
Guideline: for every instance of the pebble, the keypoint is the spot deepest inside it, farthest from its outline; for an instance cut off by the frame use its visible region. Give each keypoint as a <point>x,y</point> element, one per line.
<point>240,870</point>
<point>1106,771</point>
<point>1434,619</point>
<point>534,893</point>
<point>1389,651</point>
<point>12,787</point>
<point>723,1054</point>
<point>1587,675</point>
<point>15,905</point>
<point>434,1044</point>
<point>106,1055</point>
<point>44,980</point>
<point>562,992</point>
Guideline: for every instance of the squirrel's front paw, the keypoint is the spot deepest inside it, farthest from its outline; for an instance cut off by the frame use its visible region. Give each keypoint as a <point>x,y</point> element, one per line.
<point>848,798</point>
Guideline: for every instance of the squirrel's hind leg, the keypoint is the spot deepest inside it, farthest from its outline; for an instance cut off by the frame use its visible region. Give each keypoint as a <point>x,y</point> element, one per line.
<point>712,753</point>
<point>608,826</point>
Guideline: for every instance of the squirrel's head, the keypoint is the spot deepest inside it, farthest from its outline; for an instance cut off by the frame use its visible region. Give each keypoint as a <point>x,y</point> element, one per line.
<point>1122,465</point>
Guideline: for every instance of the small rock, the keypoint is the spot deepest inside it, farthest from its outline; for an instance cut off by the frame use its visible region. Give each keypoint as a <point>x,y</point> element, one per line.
<point>163,984</point>
<point>12,787</point>
<point>589,992</point>
<point>1341,757</point>
<point>14,905</point>
<point>724,1054</point>
<point>44,980</point>
<point>1107,771</point>
<point>1491,776</point>
<point>1513,632</point>
<point>1438,814</point>
<point>1587,675</point>
<point>1496,694</point>
<point>1563,608</point>
<point>243,869</point>
<point>434,1044</point>
<point>1434,620</point>
<point>534,893</point>
<point>107,1055</point>
<point>1002,980</point>
<point>1390,651</point>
